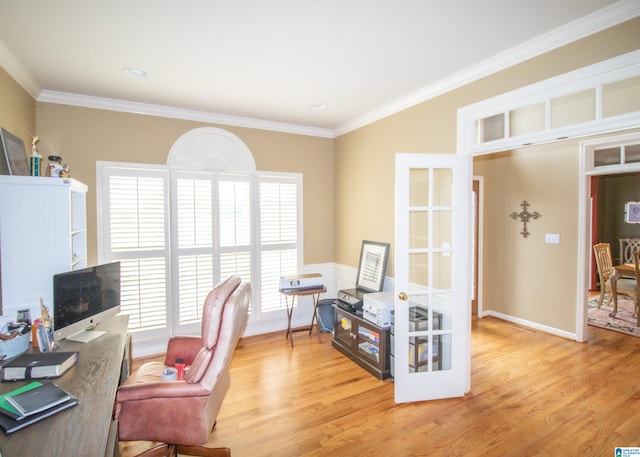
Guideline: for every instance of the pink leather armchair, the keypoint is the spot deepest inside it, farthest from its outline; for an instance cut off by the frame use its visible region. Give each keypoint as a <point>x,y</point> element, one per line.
<point>182,413</point>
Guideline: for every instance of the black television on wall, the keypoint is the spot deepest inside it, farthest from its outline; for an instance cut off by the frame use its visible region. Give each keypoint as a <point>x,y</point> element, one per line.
<point>84,298</point>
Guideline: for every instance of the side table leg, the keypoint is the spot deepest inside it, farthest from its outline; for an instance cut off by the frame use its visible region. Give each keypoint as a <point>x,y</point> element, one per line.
<point>289,314</point>
<point>314,317</point>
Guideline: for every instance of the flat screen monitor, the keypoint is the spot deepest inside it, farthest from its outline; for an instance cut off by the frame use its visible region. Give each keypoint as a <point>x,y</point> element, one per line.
<point>84,298</point>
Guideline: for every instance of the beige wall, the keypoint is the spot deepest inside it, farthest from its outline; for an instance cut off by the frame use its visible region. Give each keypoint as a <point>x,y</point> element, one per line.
<point>517,274</point>
<point>83,136</point>
<point>17,110</point>
<point>525,277</point>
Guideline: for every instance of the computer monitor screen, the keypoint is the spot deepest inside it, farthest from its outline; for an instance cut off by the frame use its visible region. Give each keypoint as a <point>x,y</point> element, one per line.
<point>84,298</point>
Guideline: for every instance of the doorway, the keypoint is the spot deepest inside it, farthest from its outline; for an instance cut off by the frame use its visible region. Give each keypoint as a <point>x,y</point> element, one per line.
<point>612,166</point>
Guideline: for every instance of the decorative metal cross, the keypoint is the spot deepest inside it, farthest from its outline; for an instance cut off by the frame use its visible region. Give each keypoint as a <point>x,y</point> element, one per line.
<point>524,217</point>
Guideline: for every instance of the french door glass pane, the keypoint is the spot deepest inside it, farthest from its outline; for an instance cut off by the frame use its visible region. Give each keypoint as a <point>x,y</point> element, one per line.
<point>418,187</point>
<point>418,229</point>
<point>419,269</point>
<point>442,187</point>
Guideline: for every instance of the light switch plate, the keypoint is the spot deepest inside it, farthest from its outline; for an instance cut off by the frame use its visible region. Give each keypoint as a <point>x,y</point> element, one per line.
<point>552,238</point>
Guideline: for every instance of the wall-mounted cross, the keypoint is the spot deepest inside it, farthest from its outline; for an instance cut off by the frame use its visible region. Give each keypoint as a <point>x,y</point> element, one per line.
<point>524,217</point>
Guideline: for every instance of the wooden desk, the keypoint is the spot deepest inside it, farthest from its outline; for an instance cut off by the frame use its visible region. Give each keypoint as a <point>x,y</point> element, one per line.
<point>290,296</point>
<point>87,429</point>
<point>626,270</point>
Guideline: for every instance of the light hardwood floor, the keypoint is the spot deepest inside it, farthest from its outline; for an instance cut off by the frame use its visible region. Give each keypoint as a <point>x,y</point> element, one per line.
<point>532,394</point>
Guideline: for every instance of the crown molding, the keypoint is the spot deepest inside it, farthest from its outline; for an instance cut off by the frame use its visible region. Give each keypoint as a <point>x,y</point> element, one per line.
<point>581,28</point>
<point>110,104</point>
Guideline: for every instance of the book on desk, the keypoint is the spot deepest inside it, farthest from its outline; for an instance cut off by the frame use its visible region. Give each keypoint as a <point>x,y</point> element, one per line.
<point>38,365</point>
<point>32,403</point>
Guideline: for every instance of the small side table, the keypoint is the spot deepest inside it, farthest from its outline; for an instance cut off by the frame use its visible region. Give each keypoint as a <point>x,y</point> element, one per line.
<point>290,297</point>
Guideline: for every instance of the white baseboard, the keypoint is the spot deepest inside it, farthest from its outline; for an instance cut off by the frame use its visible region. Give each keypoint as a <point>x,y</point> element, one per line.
<point>530,324</point>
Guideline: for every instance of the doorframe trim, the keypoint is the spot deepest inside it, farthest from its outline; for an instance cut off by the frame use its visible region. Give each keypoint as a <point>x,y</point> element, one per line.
<point>479,247</point>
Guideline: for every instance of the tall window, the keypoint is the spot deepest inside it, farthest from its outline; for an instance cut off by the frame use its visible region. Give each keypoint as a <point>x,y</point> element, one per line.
<point>179,232</point>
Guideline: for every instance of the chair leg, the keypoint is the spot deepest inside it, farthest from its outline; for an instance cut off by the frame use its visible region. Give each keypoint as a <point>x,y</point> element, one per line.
<point>172,450</point>
<point>160,450</point>
<point>202,451</point>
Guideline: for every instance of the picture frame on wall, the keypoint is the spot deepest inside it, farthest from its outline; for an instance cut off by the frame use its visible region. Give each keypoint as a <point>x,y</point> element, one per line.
<point>13,158</point>
<point>632,213</point>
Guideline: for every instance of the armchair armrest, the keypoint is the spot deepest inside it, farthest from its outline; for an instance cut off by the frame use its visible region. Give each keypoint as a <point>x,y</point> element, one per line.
<point>159,389</point>
<point>182,347</point>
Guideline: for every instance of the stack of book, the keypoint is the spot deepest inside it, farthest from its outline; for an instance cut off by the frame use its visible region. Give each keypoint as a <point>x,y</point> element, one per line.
<point>32,403</point>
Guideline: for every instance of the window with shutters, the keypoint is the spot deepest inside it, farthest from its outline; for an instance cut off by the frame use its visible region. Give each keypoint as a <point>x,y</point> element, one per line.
<point>178,232</point>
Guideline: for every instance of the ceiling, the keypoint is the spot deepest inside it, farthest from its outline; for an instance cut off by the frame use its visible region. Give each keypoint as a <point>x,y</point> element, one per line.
<point>272,62</point>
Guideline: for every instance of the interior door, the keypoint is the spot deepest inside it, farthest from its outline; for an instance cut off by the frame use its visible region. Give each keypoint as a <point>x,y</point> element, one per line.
<point>433,276</point>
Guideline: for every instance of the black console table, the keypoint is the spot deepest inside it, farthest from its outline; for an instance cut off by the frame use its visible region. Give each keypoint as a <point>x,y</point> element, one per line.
<point>362,341</point>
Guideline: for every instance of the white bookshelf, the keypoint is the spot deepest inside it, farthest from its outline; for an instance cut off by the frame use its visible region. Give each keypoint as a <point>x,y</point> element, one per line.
<point>43,231</point>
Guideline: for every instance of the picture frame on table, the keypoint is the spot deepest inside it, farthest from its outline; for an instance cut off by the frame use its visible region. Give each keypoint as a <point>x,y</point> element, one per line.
<point>13,158</point>
<point>372,266</point>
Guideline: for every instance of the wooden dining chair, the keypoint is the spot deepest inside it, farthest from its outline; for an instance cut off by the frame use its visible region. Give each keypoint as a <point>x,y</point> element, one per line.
<point>624,286</point>
<point>627,247</point>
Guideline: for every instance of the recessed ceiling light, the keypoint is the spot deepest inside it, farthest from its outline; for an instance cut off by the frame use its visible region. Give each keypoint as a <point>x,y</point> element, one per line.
<point>135,73</point>
<point>318,106</point>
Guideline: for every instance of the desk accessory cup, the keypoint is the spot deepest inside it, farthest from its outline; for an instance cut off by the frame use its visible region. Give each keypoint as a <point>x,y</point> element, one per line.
<point>180,365</point>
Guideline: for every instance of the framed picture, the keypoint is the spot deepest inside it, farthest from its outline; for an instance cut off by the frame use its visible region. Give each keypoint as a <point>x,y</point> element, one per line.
<point>13,158</point>
<point>632,213</point>
<point>372,266</point>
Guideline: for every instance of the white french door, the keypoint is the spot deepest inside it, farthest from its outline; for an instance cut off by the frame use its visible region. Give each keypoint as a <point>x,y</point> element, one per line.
<point>433,266</point>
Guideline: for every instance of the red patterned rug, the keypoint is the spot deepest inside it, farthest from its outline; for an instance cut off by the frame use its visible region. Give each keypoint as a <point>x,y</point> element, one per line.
<point>624,322</point>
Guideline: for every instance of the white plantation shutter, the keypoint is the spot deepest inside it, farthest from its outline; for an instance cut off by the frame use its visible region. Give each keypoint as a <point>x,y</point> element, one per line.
<point>178,233</point>
<point>235,226</point>
<point>280,235</point>
<point>136,217</point>
<point>235,212</point>
<point>143,292</point>
<point>194,218</point>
